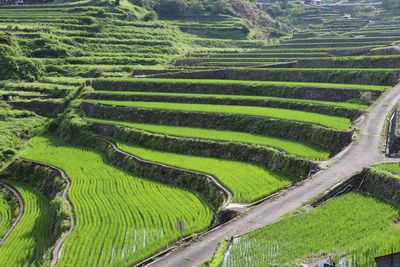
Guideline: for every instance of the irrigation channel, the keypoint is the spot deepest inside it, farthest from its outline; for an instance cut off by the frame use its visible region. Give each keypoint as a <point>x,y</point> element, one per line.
<point>366,150</point>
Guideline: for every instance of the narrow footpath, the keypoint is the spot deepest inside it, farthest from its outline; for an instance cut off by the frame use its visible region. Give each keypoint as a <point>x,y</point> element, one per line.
<point>365,151</point>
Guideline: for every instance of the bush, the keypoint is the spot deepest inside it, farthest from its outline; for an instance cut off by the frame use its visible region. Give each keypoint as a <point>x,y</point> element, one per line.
<point>170,8</point>
<point>219,7</point>
<point>15,68</point>
<point>51,51</point>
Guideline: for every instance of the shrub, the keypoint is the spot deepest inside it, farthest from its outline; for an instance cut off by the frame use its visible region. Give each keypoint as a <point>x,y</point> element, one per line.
<point>171,8</point>
<point>152,15</point>
<point>219,7</point>
<point>20,68</point>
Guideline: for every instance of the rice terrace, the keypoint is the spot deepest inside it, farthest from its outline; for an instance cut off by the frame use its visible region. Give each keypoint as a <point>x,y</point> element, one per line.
<point>223,133</point>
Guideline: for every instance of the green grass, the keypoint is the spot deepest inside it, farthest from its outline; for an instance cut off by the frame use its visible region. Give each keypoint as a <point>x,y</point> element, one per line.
<point>334,122</point>
<point>355,224</point>
<point>276,83</point>
<point>247,182</point>
<point>391,169</point>
<point>30,239</point>
<point>326,103</point>
<point>291,147</point>
<point>218,256</point>
<point>6,213</point>
<point>120,218</point>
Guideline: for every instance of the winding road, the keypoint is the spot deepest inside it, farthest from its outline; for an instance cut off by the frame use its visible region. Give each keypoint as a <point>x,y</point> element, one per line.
<point>365,151</point>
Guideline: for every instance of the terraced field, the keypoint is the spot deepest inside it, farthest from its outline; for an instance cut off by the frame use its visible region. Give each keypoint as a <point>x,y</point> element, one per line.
<point>32,234</point>
<point>247,182</point>
<point>295,148</point>
<point>327,121</point>
<point>7,214</point>
<point>141,224</point>
<point>345,222</point>
<point>221,101</point>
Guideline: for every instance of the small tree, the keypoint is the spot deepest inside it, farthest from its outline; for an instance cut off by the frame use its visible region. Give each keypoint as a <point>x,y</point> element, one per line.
<point>169,8</point>
<point>196,7</point>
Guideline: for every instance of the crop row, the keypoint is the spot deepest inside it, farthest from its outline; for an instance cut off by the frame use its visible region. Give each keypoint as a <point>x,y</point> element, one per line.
<point>32,234</point>
<point>120,218</point>
<point>356,228</point>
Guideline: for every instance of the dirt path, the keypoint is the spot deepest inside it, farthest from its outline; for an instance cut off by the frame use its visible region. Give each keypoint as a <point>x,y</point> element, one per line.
<point>362,153</point>
<point>21,211</point>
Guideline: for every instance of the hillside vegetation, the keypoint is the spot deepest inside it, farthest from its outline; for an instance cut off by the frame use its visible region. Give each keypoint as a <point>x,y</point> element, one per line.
<point>127,126</point>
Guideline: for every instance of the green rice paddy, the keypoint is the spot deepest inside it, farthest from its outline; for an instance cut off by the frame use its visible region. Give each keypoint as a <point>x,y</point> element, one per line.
<point>334,122</point>
<point>291,147</point>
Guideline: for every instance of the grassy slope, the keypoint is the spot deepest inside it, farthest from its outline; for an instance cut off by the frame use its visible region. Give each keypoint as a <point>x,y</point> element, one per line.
<point>295,148</point>
<point>334,122</point>
<point>31,238</point>
<point>247,182</point>
<point>120,218</point>
<point>350,222</point>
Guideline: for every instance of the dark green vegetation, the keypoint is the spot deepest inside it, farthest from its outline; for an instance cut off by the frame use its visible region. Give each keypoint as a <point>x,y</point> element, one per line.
<point>189,91</point>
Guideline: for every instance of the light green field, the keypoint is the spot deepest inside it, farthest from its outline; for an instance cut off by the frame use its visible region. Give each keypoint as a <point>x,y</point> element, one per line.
<point>326,103</point>
<point>291,147</point>
<point>206,81</point>
<point>29,241</point>
<point>391,169</point>
<point>120,218</point>
<point>355,224</point>
<point>334,122</point>
<point>247,182</point>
